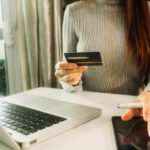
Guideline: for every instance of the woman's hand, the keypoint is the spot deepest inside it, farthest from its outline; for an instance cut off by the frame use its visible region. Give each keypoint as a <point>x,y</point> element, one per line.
<point>145,112</point>
<point>69,73</point>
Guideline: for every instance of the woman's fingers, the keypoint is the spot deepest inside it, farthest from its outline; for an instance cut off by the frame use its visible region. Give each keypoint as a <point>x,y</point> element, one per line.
<point>72,78</point>
<point>145,98</point>
<point>63,72</point>
<point>130,113</point>
<point>65,65</point>
<point>69,73</point>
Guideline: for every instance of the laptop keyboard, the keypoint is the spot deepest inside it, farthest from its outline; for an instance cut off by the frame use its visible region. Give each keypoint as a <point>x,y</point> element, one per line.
<point>25,120</point>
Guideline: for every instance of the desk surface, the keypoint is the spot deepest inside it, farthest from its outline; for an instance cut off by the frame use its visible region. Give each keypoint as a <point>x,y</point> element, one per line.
<point>94,135</point>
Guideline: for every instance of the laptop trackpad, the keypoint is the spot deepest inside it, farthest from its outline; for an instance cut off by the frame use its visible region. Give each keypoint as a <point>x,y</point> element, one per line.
<point>61,108</point>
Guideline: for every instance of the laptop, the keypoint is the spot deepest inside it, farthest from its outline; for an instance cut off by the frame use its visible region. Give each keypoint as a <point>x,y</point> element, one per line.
<point>34,119</point>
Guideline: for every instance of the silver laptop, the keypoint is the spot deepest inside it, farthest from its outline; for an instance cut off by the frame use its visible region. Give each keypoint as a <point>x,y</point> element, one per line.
<point>26,119</point>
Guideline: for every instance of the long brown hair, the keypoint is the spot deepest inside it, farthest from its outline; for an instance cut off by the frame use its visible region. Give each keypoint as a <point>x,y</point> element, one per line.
<point>138,33</point>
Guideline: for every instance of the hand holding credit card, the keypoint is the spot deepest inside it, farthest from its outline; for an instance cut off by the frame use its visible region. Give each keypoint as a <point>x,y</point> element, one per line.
<point>84,58</point>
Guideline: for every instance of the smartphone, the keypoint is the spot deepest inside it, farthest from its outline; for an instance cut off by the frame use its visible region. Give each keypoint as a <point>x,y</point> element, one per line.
<point>131,135</point>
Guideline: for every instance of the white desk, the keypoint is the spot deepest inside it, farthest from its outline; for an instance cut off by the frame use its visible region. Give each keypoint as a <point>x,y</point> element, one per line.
<point>93,135</point>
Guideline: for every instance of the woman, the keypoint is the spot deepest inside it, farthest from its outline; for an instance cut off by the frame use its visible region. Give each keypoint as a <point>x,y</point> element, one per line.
<point>120,30</point>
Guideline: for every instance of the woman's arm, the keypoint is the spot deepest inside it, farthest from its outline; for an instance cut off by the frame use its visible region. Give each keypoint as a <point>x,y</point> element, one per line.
<point>70,45</point>
<point>69,35</point>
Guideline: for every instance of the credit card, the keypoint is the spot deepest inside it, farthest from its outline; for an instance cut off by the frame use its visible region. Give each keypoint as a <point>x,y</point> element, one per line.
<point>84,58</point>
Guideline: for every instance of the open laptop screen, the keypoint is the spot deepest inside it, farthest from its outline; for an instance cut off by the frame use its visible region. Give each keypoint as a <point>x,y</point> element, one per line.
<point>131,135</point>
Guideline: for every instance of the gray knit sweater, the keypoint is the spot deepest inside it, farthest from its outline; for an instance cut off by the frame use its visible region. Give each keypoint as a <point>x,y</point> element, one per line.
<point>99,25</point>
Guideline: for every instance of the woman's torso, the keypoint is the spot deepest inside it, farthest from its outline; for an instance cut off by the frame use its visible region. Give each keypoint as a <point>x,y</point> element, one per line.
<point>100,26</point>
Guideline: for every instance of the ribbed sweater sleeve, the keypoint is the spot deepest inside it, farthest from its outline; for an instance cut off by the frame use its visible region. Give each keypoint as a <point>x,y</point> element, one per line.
<point>69,35</point>
<point>69,45</point>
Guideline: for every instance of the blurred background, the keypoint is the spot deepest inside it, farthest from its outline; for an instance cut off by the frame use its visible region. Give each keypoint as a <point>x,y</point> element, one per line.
<point>30,43</point>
